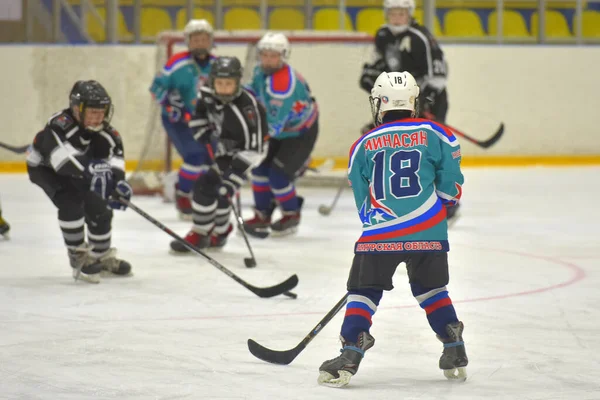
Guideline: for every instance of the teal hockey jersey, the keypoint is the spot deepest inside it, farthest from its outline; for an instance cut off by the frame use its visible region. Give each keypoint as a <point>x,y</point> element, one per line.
<point>291,109</point>
<point>402,173</point>
<point>176,87</point>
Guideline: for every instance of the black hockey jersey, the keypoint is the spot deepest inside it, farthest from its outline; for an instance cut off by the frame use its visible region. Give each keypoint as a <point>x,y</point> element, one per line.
<point>66,149</point>
<point>414,50</point>
<point>239,127</point>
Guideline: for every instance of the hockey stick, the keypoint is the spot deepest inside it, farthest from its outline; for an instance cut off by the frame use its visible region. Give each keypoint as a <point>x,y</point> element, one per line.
<point>287,356</point>
<point>15,149</point>
<point>326,210</point>
<point>271,291</point>
<point>250,262</point>
<point>481,143</point>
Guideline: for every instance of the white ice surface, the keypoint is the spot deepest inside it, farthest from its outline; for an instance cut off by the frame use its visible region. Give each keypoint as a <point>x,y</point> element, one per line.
<point>525,280</point>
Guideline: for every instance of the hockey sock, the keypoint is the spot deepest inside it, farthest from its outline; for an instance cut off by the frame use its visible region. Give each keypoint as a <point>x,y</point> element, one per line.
<point>188,174</point>
<point>261,188</point>
<point>222,216</point>
<point>437,305</point>
<point>203,214</point>
<point>284,190</point>
<point>99,233</point>
<point>360,307</point>
<point>73,231</point>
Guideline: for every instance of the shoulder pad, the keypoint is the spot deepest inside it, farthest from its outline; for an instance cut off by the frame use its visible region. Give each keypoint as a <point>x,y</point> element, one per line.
<point>282,83</point>
<point>178,60</point>
<point>62,122</point>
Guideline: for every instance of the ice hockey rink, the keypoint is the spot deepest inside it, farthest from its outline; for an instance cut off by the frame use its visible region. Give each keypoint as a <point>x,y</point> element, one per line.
<point>524,279</point>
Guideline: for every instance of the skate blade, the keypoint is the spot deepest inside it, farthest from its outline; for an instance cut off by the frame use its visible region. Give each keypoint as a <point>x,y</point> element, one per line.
<point>326,379</point>
<point>283,233</point>
<point>109,274</point>
<point>79,276</point>
<point>180,253</point>
<point>457,374</point>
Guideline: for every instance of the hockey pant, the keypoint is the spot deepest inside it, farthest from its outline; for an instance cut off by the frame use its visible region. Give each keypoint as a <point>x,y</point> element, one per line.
<point>371,274</point>
<point>274,177</point>
<point>78,207</point>
<point>210,211</point>
<point>194,154</point>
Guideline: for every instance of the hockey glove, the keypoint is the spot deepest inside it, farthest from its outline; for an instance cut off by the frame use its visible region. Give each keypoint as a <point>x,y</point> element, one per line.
<point>159,92</point>
<point>99,173</point>
<point>122,191</point>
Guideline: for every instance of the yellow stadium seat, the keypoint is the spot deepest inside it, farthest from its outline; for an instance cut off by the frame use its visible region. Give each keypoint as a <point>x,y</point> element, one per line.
<point>463,23</point>
<point>513,24</point>
<point>199,13</point>
<point>153,21</point>
<point>328,19</point>
<point>591,24</point>
<point>284,19</point>
<point>241,18</point>
<point>96,30</point>
<point>369,20</point>
<point>556,24</point>
<point>437,27</point>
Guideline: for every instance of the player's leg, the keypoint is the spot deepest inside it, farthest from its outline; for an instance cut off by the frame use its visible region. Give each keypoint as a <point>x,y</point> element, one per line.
<point>194,156</point>
<point>204,208</point>
<point>223,226</point>
<point>68,199</point>
<point>370,275</point>
<point>287,163</point>
<point>4,227</point>
<point>264,201</point>
<point>98,219</point>
<point>428,277</point>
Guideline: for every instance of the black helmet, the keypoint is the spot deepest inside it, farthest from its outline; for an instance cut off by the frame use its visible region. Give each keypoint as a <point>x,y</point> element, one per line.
<point>91,94</point>
<point>226,67</point>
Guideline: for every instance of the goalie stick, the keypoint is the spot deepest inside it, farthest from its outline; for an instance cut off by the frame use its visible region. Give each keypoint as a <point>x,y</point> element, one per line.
<point>287,356</point>
<point>15,149</point>
<point>271,291</point>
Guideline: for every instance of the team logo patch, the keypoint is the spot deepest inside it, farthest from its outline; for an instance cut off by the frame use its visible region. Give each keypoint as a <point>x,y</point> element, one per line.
<point>385,99</point>
<point>250,114</point>
<point>64,121</point>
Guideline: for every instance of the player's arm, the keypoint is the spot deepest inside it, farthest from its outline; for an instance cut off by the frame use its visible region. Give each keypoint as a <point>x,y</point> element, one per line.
<point>116,154</point>
<point>199,123</point>
<point>51,143</point>
<point>448,176</point>
<point>376,65</point>
<point>359,178</point>
<point>161,84</point>
<point>186,83</point>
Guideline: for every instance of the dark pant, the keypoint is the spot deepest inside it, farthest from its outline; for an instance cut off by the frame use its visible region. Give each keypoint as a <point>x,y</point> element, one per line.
<point>77,206</point>
<point>375,271</point>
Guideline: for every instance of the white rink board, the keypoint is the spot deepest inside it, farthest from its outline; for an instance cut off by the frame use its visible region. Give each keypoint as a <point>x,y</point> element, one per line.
<point>548,109</point>
<point>524,279</point>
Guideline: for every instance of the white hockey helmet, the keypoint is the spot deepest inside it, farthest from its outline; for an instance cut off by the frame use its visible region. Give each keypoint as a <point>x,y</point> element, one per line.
<point>393,91</point>
<point>408,4</point>
<point>197,26</point>
<point>276,42</point>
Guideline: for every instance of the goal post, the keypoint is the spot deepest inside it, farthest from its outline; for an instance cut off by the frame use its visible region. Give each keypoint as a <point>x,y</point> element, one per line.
<point>330,61</point>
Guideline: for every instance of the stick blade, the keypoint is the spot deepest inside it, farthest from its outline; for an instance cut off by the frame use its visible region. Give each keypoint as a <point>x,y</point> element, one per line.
<point>272,356</point>
<point>278,289</point>
<point>491,141</point>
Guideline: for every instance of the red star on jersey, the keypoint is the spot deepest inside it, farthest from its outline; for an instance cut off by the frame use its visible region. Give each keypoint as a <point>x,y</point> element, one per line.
<point>298,107</point>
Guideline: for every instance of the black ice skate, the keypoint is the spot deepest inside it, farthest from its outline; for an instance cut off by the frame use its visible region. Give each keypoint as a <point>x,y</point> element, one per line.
<point>84,267</point>
<point>454,358</point>
<point>452,214</point>
<point>194,238</point>
<point>260,225</point>
<point>339,371</point>
<point>4,227</point>
<point>113,265</point>
<point>288,224</point>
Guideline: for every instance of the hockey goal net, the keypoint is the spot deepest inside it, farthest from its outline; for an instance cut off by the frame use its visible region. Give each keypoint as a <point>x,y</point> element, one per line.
<point>324,58</point>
